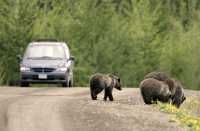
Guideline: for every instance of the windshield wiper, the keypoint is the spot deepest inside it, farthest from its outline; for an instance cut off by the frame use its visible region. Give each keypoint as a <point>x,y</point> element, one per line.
<point>45,57</point>
<point>58,58</point>
<point>31,58</point>
<point>42,57</point>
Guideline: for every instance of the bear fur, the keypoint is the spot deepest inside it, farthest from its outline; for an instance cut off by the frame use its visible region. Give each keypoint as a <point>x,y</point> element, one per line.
<point>175,87</point>
<point>178,96</point>
<point>153,90</point>
<point>161,76</point>
<point>100,82</point>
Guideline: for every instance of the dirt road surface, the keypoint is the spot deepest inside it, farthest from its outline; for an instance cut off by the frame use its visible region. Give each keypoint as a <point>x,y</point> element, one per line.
<point>71,109</point>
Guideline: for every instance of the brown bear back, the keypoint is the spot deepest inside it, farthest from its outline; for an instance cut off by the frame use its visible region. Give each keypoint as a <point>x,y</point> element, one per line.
<point>161,76</point>
<point>153,86</point>
<point>101,79</point>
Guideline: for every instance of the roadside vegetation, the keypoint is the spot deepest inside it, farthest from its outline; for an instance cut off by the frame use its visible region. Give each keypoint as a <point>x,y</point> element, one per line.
<point>127,37</point>
<point>188,115</point>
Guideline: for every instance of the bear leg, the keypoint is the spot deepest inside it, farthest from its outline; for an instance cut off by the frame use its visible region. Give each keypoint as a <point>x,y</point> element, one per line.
<point>147,100</point>
<point>93,97</point>
<point>110,94</point>
<point>106,94</point>
<point>95,92</point>
<point>111,97</point>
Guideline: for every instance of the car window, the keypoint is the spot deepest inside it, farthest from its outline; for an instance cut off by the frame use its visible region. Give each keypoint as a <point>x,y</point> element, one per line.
<point>45,51</point>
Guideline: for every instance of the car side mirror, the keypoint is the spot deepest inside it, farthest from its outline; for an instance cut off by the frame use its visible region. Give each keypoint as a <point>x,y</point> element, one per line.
<point>72,58</point>
<point>19,58</point>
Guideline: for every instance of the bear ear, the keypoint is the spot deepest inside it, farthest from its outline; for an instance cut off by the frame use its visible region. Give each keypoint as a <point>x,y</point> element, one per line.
<point>111,75</point>
<point>114,73</point>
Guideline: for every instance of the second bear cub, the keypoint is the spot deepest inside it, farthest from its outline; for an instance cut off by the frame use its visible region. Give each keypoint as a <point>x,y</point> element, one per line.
<point>100,82</point>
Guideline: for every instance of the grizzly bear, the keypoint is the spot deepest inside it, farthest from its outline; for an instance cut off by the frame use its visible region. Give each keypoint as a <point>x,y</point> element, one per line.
<point>161,76</point>
<point>100,82</point>
<point>153,90</point>
<point>175,87</point>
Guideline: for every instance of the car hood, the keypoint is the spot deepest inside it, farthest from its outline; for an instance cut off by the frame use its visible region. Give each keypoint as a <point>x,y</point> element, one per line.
<point>43,63</point>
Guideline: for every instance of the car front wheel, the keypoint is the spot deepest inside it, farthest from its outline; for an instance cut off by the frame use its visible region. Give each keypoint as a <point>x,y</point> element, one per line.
<point>66,84</point>
<point>24,84</point>
<point>71,83</point>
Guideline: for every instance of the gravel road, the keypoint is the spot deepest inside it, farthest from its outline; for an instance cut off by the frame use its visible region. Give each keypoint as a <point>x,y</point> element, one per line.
<point>71,109</point>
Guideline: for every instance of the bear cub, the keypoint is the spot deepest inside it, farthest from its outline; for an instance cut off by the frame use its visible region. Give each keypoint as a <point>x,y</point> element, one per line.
<point>106,82</point>
<point>153,90</point>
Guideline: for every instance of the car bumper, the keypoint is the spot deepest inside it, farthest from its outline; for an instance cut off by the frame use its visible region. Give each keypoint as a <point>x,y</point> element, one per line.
<point>32,77</point>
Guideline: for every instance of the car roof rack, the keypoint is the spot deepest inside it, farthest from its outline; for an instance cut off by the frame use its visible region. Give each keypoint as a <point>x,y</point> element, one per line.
<point>44,40</point>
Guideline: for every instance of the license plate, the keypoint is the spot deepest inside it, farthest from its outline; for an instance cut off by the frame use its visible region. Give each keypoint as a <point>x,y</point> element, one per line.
<point>42,76</point>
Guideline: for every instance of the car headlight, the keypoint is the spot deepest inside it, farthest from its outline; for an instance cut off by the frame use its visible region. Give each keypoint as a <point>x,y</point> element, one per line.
<point>24,68</point>
<point>63,69</point>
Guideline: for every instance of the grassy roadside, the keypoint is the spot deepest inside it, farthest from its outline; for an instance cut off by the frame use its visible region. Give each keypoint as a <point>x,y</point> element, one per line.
<point>188,115</point>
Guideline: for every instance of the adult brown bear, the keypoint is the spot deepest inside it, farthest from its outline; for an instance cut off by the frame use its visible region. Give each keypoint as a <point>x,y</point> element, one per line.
<point>153,90</point>
<point>174,86</point>
<point>100,82</point>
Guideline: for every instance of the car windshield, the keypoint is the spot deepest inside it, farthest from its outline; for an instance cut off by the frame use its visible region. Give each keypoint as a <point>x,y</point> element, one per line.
<point>45,52</point>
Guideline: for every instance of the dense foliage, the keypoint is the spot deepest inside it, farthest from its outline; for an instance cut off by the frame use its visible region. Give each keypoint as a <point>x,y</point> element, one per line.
<point>126,37</point>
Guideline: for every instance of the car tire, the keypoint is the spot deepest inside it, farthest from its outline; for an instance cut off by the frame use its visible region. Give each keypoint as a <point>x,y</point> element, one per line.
<point>71,83</point>
<point>24,84</point>
<point>66,84</point>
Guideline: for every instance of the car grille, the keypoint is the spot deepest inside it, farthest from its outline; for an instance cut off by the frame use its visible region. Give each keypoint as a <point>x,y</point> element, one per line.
<point>43,69</point>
